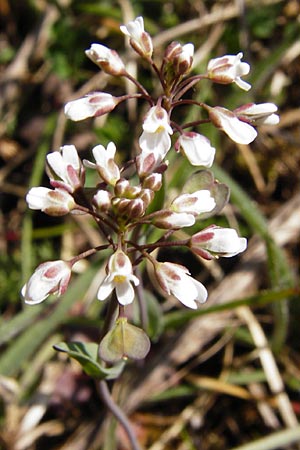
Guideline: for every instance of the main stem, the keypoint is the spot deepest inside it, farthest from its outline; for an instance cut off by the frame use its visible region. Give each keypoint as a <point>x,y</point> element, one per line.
<point>118,413</point>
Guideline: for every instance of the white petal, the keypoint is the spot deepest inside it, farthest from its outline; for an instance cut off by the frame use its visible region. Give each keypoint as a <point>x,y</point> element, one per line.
<point>105,289</point>
<point>125,293</point>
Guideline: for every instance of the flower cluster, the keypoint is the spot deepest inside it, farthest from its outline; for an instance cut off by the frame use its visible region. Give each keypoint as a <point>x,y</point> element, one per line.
<point>122,202</point>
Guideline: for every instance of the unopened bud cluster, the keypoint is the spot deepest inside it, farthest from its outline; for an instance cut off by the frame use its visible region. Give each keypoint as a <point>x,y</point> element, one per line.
<point>122,205</point>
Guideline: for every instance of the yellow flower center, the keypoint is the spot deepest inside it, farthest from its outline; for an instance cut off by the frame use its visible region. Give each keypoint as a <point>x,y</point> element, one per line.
<point>119,278</point>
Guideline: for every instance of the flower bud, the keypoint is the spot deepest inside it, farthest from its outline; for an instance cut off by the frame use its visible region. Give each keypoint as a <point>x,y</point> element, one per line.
<point>153,181</point>
<point>146,196</point>
<point>139,40</point>
<point>51,277</point>
<point>229,69</point>
<point>92,105</point>
<point>107,59</point>
<point>102,200</point>
<point>57,202</point>
<point>121,187</point>
<point>262,114</point>
<point>217,241</point>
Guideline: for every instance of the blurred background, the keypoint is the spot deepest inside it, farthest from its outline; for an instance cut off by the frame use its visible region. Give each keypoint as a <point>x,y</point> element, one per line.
<point>215,379</point>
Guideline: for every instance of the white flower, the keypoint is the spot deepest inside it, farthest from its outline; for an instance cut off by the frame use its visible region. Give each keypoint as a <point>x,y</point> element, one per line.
<point>57,202</point>
<point>173,220</point>
<point>226,120</point>
<point>65,169</point>
<point>105,163</point>
<point>107,59</point>
<point>196,148</point>
<point>51,277</point>
<point>217,241</point>
<point>140,40</point>
<point>157,130</point>
<point>196,203</point>
<point>92,105</point>
<point>119,277</point>
<point>229,69</point>
<point>176,280</point>
<point>261,114</point>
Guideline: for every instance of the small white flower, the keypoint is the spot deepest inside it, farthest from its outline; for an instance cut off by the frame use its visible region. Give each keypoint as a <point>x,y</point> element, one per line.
<point>196,203</point>
<point>57,202</point>
<point>92,105</point>
<point>261,114</point>
<point>176,280</point>
<point>226,120</point>
<point>140,40</point>
<point>229,69</point>
<point>65,169</point>
<point>196,148</point>
<point>107,59</point>
<point>105,163</point>
<point>217,241</point>
<point>119,277</point>
<point>157,130</point>
<point>51,277</point>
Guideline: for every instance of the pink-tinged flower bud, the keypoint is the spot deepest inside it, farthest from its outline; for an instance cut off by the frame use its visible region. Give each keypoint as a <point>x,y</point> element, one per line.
<point>229,69</point>
<point>57,202</point>
<point>102,200</point>
<point>121,187</point>
<point>92,105</point>
<point>175,280</point>
<point>120,276</point>
<point>51,277</point>
<point>136,208</point>
<point>180,57</point>
<point>196,203</point>
<point>261,114</point>
<point>65,169</point>
<point>147,162</point>
<point>107,59</point>
<point>173,220</point>
<point>147,196</point>
<point>196,148</point>
<point>105,164</point>
<point>153,181</point>
<point>157,130</point>
<point>216,241</point>
<point>240,132</point>
<point>139,39</point>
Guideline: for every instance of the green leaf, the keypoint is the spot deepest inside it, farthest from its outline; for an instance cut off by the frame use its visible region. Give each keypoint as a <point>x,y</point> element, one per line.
<point>87,356</point>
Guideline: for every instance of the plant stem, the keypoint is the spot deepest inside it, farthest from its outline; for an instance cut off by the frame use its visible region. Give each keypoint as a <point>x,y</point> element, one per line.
<point>118,413</point>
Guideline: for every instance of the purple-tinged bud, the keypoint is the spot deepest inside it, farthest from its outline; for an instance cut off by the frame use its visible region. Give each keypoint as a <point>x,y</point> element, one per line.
<point>92,105</point>
<point>179,57</point>
<point>121,187</point>
<point>153,181</point>
<point>107,59</point>
<point>139,39</point>
<point>216,241</point>
<point>261,114</point>
<point>57,202</point>
<point>146,196</point>
<point>136,208</point>
<point>229,69</point>
<point>51,277</point>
